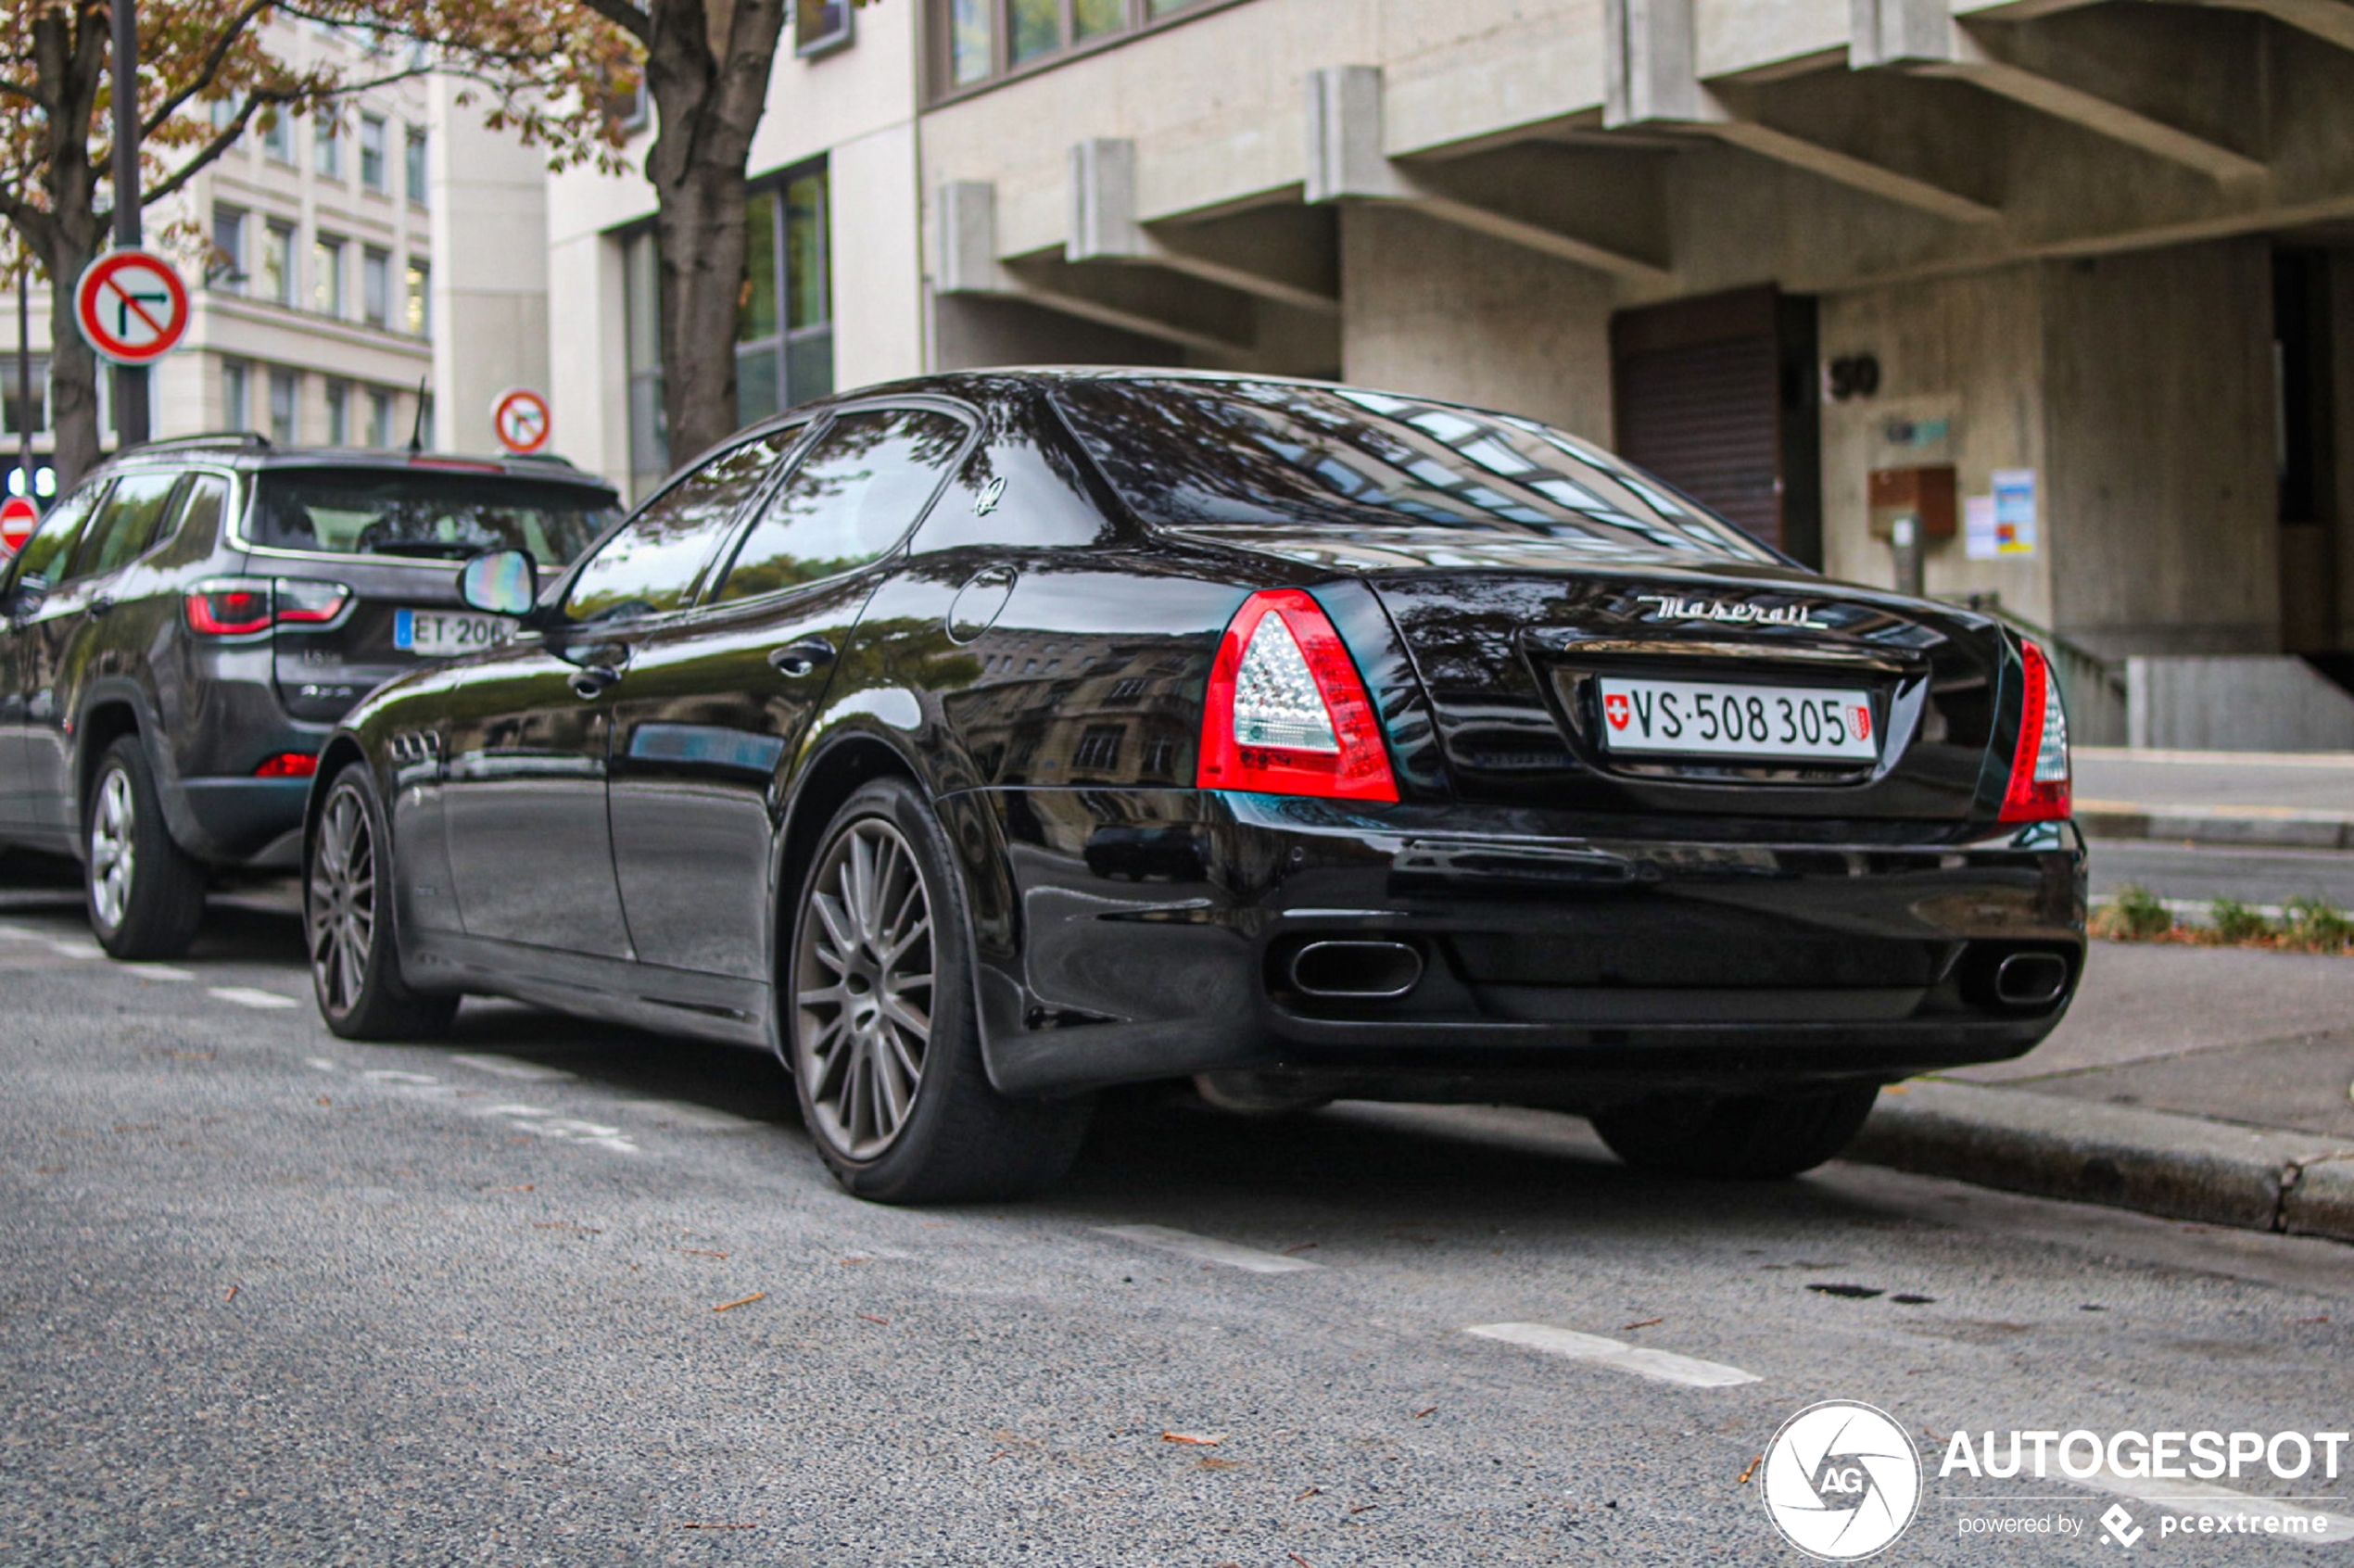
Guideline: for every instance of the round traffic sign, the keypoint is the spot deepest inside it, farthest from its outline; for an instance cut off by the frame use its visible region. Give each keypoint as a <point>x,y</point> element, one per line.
<point>17,516</point>
<point>519,418</point>
<point>132,305</point>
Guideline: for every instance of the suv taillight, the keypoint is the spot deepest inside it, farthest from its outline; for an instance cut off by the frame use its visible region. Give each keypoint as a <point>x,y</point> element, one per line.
<point>2039,787</point>
<point>247,606</point>
<point>1287,713</point>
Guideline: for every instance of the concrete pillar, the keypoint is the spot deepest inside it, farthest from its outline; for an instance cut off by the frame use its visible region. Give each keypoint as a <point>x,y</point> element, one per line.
<point>490,285</point>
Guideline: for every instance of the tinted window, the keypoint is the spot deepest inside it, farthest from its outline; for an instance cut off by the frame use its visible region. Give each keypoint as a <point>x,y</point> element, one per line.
<point>418,512</point>
<point>126,526</point>
<point>852,496</point>
<point>649,566</point>
<point>200,509</point>
<point>42,562</point>
<point>1192,453</point>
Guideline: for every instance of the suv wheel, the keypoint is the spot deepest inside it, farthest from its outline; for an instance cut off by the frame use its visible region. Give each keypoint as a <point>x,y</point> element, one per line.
<point>1735,1136</point>
<point>348,912</point>
<point>145,894</point>
<point>878,1021</point>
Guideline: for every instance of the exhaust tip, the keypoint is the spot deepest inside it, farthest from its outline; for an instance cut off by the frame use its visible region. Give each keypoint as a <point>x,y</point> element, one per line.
<point>2031,979</point>
<point>1356,970</point>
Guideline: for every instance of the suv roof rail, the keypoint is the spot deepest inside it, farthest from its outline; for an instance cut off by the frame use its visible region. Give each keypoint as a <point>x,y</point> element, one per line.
<point>252,440</point>
<point>552,459</point>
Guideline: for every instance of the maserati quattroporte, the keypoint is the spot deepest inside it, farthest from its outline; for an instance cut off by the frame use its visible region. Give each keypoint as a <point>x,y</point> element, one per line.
<point>984,742</point>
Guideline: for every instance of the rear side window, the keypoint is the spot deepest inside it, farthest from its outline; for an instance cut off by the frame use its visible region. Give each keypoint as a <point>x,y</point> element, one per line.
<point>126,526</point>
<point>1195,453</point>
<point>41,564</point>
<point>649,566</point>
<point>427,515</point>
<point>852,496</point>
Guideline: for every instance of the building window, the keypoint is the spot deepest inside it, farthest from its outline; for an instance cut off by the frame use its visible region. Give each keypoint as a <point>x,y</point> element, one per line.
<point>1099,749</point>
<point>16,417</point>
<point>784,333</point>
<point>326,275</point>
<point>226,269</point>
<point>417,300</point>
<point>285,387</point>
<point>987,38</point>
<point>821,26</point>
<point>338,413</point>
<point>278,264</point>
<point>237,407</point>
<point>326,144</point>
<point>375,286</point>
<point>641,340</point>
<point>277,134</point>
<point>379,417</point>
<point>414,152</point>
<point>371,151</point>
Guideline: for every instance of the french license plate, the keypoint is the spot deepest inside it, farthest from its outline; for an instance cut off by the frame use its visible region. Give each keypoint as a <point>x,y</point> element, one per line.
<point>438,634</point>
<point>1706,718</point>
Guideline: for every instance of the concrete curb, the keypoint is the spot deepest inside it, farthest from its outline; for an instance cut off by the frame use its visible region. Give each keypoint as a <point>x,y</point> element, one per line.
<point>2181,1166</point>
<point>2244,827</point>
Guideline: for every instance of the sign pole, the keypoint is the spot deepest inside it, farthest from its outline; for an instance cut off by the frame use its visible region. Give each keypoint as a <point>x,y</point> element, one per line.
<point>24,379</point>
<point>130,380</point>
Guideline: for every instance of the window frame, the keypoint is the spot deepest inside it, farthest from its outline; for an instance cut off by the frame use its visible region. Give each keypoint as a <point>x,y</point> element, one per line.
<point>812,46</point>
<point>416,169</point>
<point>785,336</point>
<point>715,572</point>
<point>940,83</point>
<point>327,251</point>
<point>382,185</point>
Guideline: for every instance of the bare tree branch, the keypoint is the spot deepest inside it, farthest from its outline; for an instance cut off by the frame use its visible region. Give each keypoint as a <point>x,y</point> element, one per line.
<point>207,72</point>
<point>631,19</point>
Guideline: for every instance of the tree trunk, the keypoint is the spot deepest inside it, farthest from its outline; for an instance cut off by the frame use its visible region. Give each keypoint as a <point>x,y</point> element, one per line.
<point>701,232</point>
<point>73,368</point>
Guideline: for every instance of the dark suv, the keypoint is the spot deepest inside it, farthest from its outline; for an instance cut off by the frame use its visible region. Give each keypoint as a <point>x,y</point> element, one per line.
<point>183,630</point>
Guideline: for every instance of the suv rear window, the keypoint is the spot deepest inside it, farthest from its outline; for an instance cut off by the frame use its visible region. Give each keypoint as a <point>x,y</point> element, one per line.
<point>427,515</point>
<point>1199,453</point>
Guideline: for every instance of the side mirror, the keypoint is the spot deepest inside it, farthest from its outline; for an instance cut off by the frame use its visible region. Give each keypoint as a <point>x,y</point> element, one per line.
<point>505,582</point>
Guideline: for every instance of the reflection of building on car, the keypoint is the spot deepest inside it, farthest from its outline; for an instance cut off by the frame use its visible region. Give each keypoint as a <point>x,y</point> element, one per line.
<point>182,629</point>
<point>987,740</point>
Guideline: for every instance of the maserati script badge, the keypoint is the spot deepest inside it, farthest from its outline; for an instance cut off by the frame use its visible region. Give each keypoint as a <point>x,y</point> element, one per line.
<point>1674,607</point>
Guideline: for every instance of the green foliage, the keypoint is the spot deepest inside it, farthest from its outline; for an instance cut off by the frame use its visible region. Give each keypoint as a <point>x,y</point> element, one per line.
<point>2235,924</point>
<point>2136,914</point>
<point>2315,925</point>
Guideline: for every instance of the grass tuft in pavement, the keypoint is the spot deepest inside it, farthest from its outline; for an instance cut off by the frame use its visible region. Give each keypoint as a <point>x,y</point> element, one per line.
<point>2134,914</point>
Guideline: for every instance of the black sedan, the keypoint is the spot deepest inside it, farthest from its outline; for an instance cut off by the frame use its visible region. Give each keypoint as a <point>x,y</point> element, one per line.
<point>986,741</point>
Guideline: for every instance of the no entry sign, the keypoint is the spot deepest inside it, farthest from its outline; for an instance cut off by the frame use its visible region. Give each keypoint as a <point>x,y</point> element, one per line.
<point>132,305</point>
<point>17,515</point>
<point>520,419</point>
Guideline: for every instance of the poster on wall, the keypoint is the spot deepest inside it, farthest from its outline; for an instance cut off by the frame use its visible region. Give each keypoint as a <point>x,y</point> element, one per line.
<point>2014,500</point>
<point>1977,528</point>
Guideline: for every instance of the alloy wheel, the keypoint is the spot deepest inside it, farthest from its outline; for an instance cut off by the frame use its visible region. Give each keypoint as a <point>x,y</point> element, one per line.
<point>863,988</point>
<point>342,903</point>
<point>113,848</point>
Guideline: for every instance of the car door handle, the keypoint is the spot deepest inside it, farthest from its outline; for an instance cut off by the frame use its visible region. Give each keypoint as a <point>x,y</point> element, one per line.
<point>802,658</point>
<point>591,681</point>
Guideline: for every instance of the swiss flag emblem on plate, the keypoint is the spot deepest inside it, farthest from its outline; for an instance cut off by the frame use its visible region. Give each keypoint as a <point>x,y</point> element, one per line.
<point>1859,720</point>
<point>1618,710</point>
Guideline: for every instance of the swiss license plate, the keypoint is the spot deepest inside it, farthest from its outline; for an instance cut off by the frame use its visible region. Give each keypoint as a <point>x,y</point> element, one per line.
<point>1722,719</point>
<point>438,634</point>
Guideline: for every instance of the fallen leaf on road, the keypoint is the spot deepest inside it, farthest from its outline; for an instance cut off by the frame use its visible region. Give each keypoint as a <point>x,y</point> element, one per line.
<point>325,1100</point>
<point>525,1188</point>
<point>232,1296</point>
<point>1751,1470</point>
<point>700,1252</point>
<point>1897,1089</point>
<point>2322,1319</point>
<point>1305,1494</point>
<point>565,1225</point>
<point>1200,1440</point>
<point>719,1526</point>
<point>1212,1462</point>
<point>1647,1322</point>
<point>848,1261</point>
<point>741,1301</point>
<point>872,1319</point>
<point>1419,1414</point>
<point>1301,1560</point>
<point>1364,1508</point>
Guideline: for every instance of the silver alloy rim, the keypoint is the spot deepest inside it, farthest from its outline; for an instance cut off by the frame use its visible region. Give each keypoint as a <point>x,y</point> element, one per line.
<point>863,988</point>
<point>342,905</point>
<point>113,856</point>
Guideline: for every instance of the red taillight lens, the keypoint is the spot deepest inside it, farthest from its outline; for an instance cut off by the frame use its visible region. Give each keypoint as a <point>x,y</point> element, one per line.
<point>229,607</point>
<point>288,765</point>
<point>1287,713</point>
<point>2038,788</point>
<point>302,602</point>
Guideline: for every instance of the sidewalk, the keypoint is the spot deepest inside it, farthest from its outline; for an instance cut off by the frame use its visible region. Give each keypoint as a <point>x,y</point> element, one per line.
<point>2208,1084</point>
<point>2293,800</point>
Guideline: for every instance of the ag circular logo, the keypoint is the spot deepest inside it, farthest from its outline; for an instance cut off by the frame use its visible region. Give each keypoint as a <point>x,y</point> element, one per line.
<point>1842,1481</point>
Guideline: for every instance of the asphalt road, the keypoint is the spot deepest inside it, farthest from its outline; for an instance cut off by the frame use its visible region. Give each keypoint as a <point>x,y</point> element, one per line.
<point>2252,875</point>
<point>267,1297</point>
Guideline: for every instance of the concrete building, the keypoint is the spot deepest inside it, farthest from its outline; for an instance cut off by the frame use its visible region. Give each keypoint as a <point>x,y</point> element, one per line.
<point>342,267</point>
<point>2069,286</point>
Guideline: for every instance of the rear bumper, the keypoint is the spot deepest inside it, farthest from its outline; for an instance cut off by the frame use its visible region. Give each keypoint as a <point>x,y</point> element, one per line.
<point>1157,934</point>
<point>247,821</point>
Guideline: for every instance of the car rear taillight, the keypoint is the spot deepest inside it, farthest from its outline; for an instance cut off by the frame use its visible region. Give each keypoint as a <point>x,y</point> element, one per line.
<point>247,606</point>
<point>1287,713</point>
<point>2039,790</point>
<point>288,765</point>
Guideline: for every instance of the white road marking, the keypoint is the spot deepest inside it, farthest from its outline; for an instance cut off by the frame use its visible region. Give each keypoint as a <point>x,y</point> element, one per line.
<point>77,949</point>
<point>1202,1248</point>
<point>18,933</point>
<point>156,971</point>
<point>699,1116</point>
<point>1664,1366</point>
<point>247,997</point>
<point>2197,1498</point>
<point>548,1124</point>
<point>396,1075</point>
<point>322,1064</point>
<point>508,1066</point>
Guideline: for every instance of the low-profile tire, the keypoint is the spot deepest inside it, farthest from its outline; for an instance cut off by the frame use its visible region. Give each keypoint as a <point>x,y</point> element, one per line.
<point>876,1020</point>
<point>145,893</point>
<point>347,916</point>
<point>1742,1136</point>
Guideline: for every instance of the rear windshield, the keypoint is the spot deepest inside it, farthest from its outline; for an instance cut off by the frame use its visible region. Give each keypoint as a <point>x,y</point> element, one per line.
<point>1190,453</point>
<point>427,515</point>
